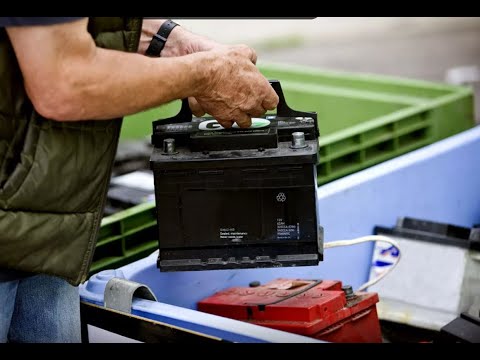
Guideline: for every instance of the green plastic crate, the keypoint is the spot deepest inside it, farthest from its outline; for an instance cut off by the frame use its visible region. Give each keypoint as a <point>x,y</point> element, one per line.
<point>364,119</point>
<point>124,237</point>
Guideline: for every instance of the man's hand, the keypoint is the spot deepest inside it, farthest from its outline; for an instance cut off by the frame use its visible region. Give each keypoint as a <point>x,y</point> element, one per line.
<point>228,100</point>
<point>180,42</point>
<point>235,91</point>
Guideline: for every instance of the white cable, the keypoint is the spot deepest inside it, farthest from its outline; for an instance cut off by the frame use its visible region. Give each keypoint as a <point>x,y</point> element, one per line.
<point>363,239</point>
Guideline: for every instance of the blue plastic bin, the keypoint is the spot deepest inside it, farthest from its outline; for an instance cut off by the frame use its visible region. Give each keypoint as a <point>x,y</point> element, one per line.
<point>440,182</point>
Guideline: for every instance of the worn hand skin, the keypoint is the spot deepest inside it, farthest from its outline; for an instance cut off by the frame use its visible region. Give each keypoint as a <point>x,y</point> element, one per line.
<point>237,91</point>
<point>68,78</point>
<point>182,42</point>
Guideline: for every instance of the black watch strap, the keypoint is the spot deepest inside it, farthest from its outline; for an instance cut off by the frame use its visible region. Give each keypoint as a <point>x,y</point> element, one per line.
<point>160,38</point>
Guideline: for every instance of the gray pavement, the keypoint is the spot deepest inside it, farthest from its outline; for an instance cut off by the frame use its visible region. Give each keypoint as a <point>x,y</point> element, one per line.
<point>426,56</point>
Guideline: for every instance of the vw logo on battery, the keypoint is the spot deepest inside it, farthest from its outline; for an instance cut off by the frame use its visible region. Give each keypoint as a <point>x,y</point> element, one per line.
<point>213,125</point>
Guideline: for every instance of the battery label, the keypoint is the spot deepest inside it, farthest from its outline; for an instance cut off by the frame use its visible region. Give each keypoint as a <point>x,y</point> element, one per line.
<point>287,231</point>
<point>213,124</point>
<point>384,256</point>
<point>245,216</point>
<point>231,234</point>
<point>181,127</point>
<point>233,133</point>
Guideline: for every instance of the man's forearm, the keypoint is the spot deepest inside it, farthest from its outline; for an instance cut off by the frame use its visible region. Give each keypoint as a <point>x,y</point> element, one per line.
<point>86,82</point>
<point>114,84</point>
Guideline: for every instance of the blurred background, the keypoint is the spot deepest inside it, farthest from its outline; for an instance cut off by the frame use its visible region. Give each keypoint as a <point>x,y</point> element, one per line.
<point>443,49</point>
<point>364,121</point>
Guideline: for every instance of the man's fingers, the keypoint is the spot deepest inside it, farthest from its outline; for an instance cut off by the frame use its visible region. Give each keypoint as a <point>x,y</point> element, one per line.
<point>258,111</point>
<point>270,101</point>
<point>227,124</point>
<point>195,107</point>
<point>252,55</point>
<point>243,120</point>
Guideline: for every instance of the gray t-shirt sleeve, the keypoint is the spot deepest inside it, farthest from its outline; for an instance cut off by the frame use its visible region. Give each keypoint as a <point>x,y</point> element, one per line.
<point>35,20</point>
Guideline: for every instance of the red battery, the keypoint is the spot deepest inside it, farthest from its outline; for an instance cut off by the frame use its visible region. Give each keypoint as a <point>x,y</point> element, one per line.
<point>320,309</point>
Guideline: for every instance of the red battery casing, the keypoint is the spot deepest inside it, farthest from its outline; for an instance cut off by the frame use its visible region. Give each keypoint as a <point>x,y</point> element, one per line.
<point>318,309</point>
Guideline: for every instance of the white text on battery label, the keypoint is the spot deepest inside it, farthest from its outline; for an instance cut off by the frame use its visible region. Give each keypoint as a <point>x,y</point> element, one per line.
<point>231,234</point>
<point>287,231</point>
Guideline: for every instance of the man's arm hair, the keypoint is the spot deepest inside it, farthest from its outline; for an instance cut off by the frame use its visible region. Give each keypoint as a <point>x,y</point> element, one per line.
<point>68,77</point>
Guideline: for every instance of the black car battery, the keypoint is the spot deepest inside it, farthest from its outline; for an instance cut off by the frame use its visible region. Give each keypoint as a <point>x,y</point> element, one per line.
<point>239,197</point>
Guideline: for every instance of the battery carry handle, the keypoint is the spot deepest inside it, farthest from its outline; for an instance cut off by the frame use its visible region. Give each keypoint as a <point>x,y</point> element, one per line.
<point>283,110</point>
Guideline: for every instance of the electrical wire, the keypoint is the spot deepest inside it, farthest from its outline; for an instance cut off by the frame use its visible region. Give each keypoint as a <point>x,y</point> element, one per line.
<point>363,239</point>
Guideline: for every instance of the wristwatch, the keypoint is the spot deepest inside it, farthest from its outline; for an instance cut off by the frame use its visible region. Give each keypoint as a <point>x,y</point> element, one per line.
<point>160,38</point>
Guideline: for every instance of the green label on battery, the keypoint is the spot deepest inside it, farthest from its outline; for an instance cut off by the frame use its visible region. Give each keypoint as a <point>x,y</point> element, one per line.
<point>213,125</point>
